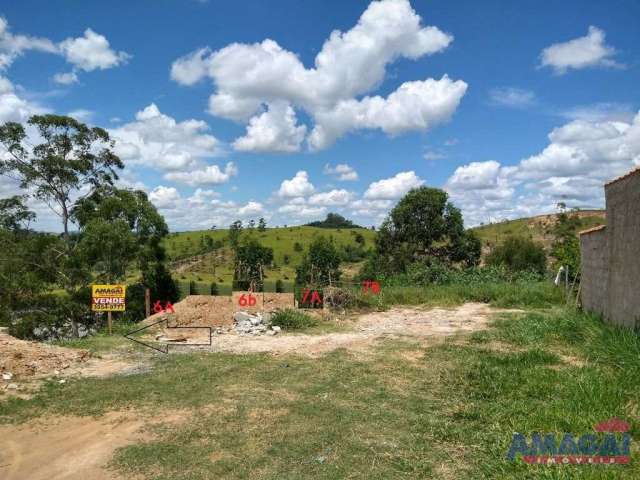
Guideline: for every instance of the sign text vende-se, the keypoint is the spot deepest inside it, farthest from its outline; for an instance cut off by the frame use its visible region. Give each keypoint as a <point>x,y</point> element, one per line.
<point>108,298</point>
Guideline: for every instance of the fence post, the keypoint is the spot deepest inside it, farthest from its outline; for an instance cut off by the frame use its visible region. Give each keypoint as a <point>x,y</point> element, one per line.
<point>147,303</point>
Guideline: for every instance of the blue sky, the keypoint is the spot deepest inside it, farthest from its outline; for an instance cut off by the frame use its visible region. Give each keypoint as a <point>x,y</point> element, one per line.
<point>509,106</point>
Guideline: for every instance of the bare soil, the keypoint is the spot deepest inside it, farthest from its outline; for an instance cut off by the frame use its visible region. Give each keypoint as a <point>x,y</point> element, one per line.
<point>70,448</point>
<point>26,359</point>
<point>423,325</point>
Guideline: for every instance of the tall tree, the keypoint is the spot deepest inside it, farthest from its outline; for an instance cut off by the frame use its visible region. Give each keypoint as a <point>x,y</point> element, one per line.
<point>423,225</point>
<point>262,224</point>
<point>320,265</point>
<point>71,157</point>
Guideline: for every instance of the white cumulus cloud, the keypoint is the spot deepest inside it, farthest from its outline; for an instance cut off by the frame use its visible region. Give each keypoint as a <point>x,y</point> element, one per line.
<point>275,131</point>
<point>91,51</point>
<point>158,140</point>
<point>350,64</point>
<point>298,186</point>
<point>337,197</point>
<point>209,175</point>
<point>342,172</point>
<point>583,52</point>
<point>394,187</point>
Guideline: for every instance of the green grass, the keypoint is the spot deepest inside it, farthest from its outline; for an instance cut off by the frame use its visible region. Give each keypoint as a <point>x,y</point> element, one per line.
<point>185,245</point>
<point>291,319</point>
<point>404,411</point>
<point>499,294</point>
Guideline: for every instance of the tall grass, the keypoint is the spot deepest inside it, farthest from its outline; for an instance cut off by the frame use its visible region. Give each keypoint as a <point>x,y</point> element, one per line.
<point>536,294</point>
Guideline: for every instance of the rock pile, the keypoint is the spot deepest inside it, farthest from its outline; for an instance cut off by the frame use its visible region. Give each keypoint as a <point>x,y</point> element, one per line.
<point>254,324</point>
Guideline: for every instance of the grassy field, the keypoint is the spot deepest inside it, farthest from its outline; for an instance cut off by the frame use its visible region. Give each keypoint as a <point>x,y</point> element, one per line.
<point>403,411</point>
<point>205,268</point>
<point>538,228</point>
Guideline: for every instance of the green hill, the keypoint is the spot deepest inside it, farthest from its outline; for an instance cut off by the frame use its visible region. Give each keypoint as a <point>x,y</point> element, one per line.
<point>538,228</point>
<point>191,259</point>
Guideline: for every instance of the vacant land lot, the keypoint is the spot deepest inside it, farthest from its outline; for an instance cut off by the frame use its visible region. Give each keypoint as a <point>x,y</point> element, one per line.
<point>418,393</point>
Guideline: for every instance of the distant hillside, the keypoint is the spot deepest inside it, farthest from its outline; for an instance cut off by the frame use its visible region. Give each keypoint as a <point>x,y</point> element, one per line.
<point>193,255</point>
<point>333,220</point>
<point>539,228</point>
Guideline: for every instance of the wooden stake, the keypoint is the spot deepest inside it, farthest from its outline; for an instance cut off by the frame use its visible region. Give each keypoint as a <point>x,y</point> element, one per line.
<point>109,321</point>
<point>147,302</point>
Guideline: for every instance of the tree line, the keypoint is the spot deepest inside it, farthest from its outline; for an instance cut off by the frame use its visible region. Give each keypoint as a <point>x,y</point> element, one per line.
<point>107,231</point>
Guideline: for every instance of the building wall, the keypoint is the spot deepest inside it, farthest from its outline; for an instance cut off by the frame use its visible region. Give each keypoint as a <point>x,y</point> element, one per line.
<point>595,272</point>
<point>623,245</point>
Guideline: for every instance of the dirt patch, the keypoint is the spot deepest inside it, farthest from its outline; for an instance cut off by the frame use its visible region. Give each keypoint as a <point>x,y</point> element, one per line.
<point>416,323</point>
<point>217,311</point>
<point>27,359</point>
<point>69,448</point>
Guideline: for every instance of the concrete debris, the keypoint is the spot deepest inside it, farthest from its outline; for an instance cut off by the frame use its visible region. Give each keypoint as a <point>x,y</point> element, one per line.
<point>7,376</point>
<point>12,386</point>
<point>254,324</point>
<point>65,332</point>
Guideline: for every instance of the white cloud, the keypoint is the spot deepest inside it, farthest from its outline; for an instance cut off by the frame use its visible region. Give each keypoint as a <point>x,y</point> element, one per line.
<point>164,197</point>
<point>81,114</point>
<point>158,140</point>
<point>191,68</point>
<point>67,78</point>
<point>274,131</point>
<point>12,46</point>
<point>91,51</point>
<point>250,209</point>
<point>415,105</point>
<point>302,211</point>
<point>298,186</point>
<point>512,97</point>
<point>394,187</point>
<point>14,108</point>
<point>580,157</point>
<point>209,175</point>
<point>432,155</point>
<point>598,112</point>
<point>582,52</point>
<point>332,198</point>
<point>342,172</point>
<point>350,64</point>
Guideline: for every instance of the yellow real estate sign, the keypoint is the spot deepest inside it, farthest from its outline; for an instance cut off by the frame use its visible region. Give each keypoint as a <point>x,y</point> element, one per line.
<point>108,298</point>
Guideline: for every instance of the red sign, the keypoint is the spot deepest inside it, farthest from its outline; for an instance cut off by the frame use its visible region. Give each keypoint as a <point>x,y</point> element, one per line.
<point>372,286</point>
<point>247,300</point>
<point>311,299</point>
<point>158,308</point>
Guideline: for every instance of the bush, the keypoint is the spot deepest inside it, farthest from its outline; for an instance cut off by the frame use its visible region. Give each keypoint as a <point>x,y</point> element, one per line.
<point>519,254</point>
<point>292,320</point>
<point>279,286</point>
<point>214,289</point>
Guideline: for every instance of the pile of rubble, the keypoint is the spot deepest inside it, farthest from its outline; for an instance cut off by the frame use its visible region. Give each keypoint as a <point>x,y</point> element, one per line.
<point>254,324</point>
<point>20,359</point>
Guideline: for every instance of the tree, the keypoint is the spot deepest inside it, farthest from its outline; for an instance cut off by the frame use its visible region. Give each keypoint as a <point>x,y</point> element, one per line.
<point>262,224</point>
<point>14,215</point>
<point>120,226</point>
<point>251,257</point>
<point>566,245</point>
<point>252,224</point>
<point>519,254</point>
<point>333,220</point>
<point>424,224</point>
<point>71,157</point>
<point>235,229</point>
<point>320,265</point>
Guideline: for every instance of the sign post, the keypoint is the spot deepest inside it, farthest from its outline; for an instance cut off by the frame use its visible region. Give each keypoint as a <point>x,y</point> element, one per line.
<point>108,298</point>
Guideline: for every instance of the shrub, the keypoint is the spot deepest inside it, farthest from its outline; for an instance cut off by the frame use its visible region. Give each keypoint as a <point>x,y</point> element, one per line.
<point>279,286</point>
<point>519,254</point>
<point>214,289</point>
<point>297,247</point>
<point>292,320</point>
